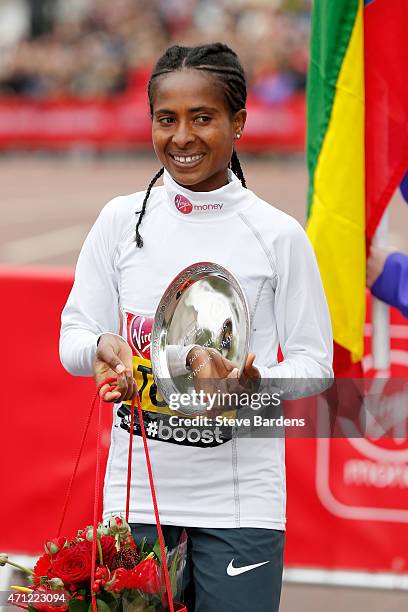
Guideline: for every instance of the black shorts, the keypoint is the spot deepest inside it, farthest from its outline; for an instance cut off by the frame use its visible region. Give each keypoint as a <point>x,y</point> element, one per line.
<point>218,576</point>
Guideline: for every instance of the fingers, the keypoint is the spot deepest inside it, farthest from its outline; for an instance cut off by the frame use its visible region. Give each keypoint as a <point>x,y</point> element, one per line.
<point>125,354</point>
<point>111,359</point>
<point>126,385</point>
<point>228,365</point>
<point>109,395</point>
<point>122,390</point>
<point>222,366</point>
<point>114,355</point>
<point>233,373</point>
<point>375,264</point>
<point>250,377</point>
<point>249,362</point>
<point>250,371</point>
<point>371,272</point>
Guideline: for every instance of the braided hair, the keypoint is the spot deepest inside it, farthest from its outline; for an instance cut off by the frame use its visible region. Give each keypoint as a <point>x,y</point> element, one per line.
<point>224,66</point>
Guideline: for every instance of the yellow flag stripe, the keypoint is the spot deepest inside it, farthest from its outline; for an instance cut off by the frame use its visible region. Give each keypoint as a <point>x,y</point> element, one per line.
<point>336,224</point>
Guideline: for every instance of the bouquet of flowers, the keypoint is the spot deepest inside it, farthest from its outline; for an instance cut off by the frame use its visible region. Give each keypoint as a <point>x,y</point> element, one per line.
<point>126,577</point>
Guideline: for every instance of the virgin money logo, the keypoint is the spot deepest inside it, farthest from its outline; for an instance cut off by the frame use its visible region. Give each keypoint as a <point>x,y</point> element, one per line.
<point>183,205</point>
<point>140,332</point>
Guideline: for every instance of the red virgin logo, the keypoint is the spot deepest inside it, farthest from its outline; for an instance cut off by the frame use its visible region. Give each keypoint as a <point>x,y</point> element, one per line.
<point>182,204</point>
<point>139,334</point>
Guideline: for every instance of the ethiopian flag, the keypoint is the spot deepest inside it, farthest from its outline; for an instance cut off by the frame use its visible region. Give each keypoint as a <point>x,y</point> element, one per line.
<point>357,144</point>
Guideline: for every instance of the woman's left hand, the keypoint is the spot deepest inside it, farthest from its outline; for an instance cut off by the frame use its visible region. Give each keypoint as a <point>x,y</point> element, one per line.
<point>250,377</point>
<point>212,373</point>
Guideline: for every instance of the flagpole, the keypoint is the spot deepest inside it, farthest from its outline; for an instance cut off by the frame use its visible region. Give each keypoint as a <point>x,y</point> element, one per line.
<point>380,310</point>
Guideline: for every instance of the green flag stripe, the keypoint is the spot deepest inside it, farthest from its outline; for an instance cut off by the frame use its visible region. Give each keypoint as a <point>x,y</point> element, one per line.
<point>332,25</point>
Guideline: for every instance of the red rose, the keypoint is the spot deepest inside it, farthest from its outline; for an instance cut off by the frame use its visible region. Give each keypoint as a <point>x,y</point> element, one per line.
<point>42,567</point>
<point>108,549</point>
<point>73,565</point>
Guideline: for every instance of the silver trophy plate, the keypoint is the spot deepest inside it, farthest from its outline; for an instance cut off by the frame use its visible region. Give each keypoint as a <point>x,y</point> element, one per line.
<point>205,306</point>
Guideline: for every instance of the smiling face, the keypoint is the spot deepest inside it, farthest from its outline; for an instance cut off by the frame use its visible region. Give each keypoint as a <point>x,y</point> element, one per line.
<point>193,129</point>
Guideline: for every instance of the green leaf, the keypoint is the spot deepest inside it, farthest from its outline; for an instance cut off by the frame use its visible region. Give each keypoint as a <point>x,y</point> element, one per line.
<point>111,599</point>
<point>77,605</point>
<point>173,576</point>
<point>101,605</point>
<point>141,546</point>
<point>157,551</point>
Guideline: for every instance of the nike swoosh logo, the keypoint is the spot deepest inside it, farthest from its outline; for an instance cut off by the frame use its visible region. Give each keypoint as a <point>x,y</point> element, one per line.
<point>236,571</point>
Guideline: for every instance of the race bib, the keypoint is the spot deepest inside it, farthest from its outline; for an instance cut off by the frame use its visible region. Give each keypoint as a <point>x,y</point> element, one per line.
<point>150,397</point>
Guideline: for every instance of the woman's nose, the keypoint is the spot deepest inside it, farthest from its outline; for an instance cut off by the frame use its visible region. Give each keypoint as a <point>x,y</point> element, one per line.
<point>183,135</point>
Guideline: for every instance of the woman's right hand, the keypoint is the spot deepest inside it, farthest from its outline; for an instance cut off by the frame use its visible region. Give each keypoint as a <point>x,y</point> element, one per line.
<point>114,359</point>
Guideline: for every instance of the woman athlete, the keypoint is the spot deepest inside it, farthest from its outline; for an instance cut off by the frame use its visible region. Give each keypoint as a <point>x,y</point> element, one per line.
<point>228,494</point>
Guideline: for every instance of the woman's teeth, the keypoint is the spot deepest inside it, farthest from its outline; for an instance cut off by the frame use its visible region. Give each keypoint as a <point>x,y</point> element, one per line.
<point>186,159</point>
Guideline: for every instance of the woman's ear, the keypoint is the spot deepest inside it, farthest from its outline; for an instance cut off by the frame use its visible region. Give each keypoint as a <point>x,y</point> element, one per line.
<point>239,122</point>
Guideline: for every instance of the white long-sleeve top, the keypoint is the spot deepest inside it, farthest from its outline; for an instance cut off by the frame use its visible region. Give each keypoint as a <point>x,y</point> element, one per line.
<point>240,483</point>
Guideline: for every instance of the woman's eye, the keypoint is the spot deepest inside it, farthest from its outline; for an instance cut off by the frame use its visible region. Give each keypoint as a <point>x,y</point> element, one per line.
<point>166,120</point>
<point>203,119</point>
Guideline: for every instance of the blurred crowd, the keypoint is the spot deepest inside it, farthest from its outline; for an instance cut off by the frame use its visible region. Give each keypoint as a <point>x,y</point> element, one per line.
<point>92,48</point>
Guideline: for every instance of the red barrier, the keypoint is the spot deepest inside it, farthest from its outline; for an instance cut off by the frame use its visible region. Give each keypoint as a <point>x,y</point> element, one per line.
<point>347,507</point>
<point>43,414</point>
<point>123,122</point>
<point>347,499</point>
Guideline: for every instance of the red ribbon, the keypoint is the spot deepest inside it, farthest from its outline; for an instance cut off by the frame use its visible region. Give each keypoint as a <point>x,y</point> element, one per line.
<point>109,382</point>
